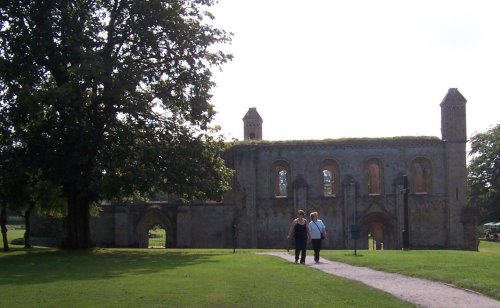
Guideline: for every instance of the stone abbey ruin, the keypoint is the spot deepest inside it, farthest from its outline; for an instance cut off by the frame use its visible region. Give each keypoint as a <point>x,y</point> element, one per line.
<point>348,181</point>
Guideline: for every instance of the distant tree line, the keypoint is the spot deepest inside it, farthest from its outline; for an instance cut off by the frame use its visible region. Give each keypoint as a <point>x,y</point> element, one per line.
<point>484,173</point>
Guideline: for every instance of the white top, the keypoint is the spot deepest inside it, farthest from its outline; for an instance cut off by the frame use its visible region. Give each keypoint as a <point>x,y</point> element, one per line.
<point>315,227</point>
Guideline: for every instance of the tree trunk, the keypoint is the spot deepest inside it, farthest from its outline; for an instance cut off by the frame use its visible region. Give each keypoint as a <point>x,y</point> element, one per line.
<point>77,224</point>
<point>27,222</point>
<point>3,223</point>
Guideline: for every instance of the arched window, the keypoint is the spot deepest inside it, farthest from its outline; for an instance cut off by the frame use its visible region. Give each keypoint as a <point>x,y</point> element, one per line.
<point>281,179</point>
<point>374,177</point>
<point>421,174</point>
<point>328,183</point>
<point>282,183</point>
<point>329,176</point>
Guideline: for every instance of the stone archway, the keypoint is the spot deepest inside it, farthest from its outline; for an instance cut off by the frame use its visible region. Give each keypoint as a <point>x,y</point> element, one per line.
<point>153,217</point>
<point>381,228</point>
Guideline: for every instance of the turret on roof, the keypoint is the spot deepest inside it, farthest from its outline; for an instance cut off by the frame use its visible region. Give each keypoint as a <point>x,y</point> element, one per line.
<point>453,97</point>
<point>252,125</point>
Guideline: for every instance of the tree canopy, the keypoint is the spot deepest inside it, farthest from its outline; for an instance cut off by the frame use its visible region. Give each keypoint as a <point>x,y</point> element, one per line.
<point>112,98</point>
<point>484,172</point>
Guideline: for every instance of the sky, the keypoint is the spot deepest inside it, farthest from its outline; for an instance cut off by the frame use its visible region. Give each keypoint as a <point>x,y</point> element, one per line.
<point>326,69</point>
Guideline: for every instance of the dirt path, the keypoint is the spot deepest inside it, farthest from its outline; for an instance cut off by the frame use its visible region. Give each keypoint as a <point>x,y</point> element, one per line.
<point>421,292</point>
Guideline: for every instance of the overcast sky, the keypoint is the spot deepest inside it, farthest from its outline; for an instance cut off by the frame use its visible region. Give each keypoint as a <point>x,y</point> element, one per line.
<point>321,69</point>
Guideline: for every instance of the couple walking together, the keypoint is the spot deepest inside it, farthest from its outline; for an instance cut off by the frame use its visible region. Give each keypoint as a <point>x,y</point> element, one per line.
<point>301,231</point>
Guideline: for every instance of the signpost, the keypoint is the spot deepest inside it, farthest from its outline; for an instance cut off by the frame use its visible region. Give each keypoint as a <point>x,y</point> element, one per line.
<point>355,235</point>
<point>235,236</point>
<point>406,233</point>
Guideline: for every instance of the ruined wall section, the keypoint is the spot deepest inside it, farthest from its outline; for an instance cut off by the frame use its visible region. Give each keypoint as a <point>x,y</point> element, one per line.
<point>211,226</point>
<point>252,216</point>
<point>274,214</point>
<point>243,161</point>
<point>428,216</point>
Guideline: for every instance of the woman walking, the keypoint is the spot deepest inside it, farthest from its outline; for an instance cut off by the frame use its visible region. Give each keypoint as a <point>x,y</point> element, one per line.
<point>300,232</point>
<point>318,233</point>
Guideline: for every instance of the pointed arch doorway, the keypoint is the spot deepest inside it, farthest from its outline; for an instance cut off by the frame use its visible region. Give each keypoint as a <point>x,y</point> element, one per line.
<point>154,230</point>
<point>379,226</point>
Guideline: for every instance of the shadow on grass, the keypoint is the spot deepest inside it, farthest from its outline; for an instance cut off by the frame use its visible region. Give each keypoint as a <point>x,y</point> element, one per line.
<point>354,255</point>
<point>39,265</point>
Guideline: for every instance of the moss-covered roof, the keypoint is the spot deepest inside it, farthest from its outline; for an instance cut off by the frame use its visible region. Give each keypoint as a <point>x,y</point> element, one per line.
<point>339,140</point>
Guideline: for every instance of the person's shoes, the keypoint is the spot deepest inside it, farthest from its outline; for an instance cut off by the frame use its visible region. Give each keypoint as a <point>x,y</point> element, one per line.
<point>296,261</point>
<point>317,261</point>
<point>303,263</point>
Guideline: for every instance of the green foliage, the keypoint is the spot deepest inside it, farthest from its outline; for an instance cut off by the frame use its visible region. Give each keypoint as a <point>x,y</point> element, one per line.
<point>112,99</point>
<point>22,188</point>
<point>484,173</point>
<point>18,241</point>
<point>46,196</point>
<point>157,237</point>
<point>16,236</point>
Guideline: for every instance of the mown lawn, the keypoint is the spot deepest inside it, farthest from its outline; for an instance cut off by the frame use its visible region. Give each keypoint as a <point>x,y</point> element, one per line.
<point>13,232</point>
<point>479,271</point>
<point>46,277</point>
<point>172,277</point>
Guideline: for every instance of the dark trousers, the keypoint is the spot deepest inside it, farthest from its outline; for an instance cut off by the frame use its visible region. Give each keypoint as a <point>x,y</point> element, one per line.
<point>316,243</point>
<point>300,249</point>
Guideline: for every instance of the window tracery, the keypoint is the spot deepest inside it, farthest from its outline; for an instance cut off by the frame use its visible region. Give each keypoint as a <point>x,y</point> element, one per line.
<point>329,173</point>
<point>281,179</point>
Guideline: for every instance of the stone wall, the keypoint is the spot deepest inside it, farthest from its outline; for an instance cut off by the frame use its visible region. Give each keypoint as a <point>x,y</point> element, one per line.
<point>275,179</point>
<point>258,218</point>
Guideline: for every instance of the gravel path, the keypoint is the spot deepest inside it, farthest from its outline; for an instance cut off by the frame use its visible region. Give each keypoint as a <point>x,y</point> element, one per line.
<point>421,292</point>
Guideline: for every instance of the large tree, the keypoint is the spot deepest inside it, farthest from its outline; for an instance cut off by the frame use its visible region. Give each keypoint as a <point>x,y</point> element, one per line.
<point>484,172</point>
<point>111,98</point>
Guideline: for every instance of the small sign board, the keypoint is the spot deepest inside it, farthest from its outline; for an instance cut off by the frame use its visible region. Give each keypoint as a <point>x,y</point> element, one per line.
<point>355,232</point>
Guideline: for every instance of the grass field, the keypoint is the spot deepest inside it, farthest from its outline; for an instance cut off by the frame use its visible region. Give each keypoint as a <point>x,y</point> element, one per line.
<point>13,233</point>
<point>173,278</point>
<point>45,277</point>
<point>479,271</point>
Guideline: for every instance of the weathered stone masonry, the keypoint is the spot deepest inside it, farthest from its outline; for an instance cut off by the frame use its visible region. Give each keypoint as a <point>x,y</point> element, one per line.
<point>348,181</point>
